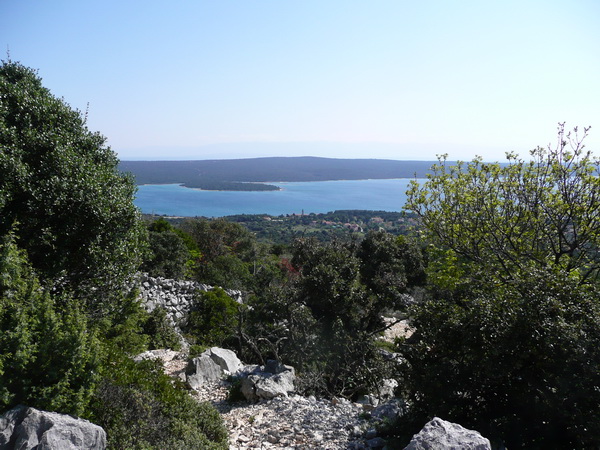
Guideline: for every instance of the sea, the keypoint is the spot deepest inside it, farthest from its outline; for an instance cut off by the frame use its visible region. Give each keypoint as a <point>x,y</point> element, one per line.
<point>292,198</point>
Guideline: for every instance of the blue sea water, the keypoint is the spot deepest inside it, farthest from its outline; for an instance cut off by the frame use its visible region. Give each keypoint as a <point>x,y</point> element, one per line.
<point>293,198</point>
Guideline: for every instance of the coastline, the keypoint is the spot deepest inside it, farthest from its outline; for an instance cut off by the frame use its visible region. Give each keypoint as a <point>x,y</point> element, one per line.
<point>272,183</point>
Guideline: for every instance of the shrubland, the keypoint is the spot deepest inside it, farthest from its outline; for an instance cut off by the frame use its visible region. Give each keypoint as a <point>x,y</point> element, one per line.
<point>504,259</point>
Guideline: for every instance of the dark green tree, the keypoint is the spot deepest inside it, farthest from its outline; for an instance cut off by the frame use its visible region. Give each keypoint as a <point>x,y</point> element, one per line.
<point>324,321</point>
<point>60,182</point>
<point>168,254</point>
<point>507,343</point>
<point>229,253</point>
<point>390,265</point>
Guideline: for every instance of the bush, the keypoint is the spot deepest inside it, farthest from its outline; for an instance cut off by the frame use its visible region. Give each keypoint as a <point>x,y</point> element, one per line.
<point>213,318</point>
<point>160,331</point>
<point>507,342</point>
<point>139,408</point>
<point>48,352</point>
<point>325,321</point>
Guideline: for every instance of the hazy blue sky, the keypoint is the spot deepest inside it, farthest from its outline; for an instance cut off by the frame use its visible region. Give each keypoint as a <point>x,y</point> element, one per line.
<point>344,78</point>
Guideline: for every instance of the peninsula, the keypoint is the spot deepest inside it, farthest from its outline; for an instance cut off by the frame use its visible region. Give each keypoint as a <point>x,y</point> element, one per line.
<point>254,174</point>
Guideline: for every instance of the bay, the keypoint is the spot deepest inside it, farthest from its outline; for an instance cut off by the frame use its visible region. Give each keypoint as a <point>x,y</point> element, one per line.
<point>293,198</point>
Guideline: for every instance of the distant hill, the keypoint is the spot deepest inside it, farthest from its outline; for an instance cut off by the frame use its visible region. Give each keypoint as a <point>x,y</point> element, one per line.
<point>245,174</point>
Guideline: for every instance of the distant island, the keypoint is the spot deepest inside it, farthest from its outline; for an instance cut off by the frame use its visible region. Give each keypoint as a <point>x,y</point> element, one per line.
<point>254,174</point>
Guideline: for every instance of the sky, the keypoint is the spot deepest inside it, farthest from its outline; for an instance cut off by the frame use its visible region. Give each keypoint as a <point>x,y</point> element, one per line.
<point>395,79</point>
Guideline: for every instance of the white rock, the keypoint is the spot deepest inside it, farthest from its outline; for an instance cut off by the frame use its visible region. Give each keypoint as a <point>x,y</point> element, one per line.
<point>226,359</point>
<point>26,428</point>
<point>443,435</point>
<point>202,370</point>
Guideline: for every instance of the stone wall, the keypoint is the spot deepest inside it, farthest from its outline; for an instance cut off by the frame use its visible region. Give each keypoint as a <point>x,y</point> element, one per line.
<point>175,296</point>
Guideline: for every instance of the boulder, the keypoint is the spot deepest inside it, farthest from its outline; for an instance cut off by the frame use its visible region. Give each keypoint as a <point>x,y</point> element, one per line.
<point>202,370</point>
<point>389,411</point>
<point>226,359</point>
<point>26,428</point>
<point>262,385</point>
<point>439,434</point>
<point>212,365</point>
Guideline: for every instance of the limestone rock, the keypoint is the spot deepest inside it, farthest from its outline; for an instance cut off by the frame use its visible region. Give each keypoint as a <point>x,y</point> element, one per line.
<point>26,428</point>
<point>440,434</point>
<point>202,370</point>
<point>261,385</point>
<point>165,355</point>
<point>226,359</point>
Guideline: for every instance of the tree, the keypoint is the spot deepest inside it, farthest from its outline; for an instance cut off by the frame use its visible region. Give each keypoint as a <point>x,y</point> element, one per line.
<point>168,254</point>
<point>213,317</point>
<point>324,321</point>
<point>390,265</point>
<point>507,342</point>
<point>508,219</point>
<point>60,183</point>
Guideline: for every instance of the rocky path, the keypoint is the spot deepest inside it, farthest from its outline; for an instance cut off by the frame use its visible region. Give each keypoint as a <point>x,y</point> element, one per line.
<point>293,422</point>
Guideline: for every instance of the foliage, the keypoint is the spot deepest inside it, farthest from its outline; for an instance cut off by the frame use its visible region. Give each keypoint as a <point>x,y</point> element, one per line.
<point>336,225</point>
<point>124,328</point>
<point>507,342</point>
<point>326,319</point>
<point>230,256</point>
<point>48,352</point>
<point>389,264</point>
<point>512,218</point>
<point>160,330</point>
<point>61,183</point>
<point>66,337</point>
<point>227,250</point>
<point>168,255</point>
<point>139,408</point>
<point>213,318</point>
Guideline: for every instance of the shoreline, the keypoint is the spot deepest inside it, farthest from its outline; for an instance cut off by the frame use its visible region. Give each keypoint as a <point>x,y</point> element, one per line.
<point>279,188</point>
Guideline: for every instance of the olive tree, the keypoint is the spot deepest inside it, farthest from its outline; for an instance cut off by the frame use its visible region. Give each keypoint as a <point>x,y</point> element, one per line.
<point>59,185</point>
<point>507,342</point>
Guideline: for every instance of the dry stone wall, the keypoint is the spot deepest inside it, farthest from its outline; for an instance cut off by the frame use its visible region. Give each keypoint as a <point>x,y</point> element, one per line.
<point>175,296</point>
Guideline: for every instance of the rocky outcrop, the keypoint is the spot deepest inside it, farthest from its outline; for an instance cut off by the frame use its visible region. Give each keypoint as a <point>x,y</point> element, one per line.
<point>439,434</point>
<point>175,296</point>
<point>26,428</point>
